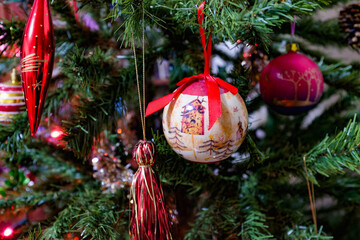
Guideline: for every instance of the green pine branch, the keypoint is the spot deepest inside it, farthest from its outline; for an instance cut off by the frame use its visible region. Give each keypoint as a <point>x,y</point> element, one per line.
<point>306,232</point>
<point>11,32</point>
<point>104,89</point>
<point>228,217</point>
<point>324,33</point>
<point>13,137</point>
<point>248,21</point>
<point>88,67</point>
<point>344,188</point>
<point>229,19</point>
<point>342,77</point>
<point>219,215</point>
<point>319,55</point>
<point>254,225</point>
<point>36,199</point>
<point>335,154</point>
<point>130,14</point>
<point>92,214</point>
<point>48,162</point>
<point>35,233</point>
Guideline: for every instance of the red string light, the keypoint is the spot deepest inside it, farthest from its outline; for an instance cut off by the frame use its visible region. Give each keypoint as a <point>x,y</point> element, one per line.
<point>8,232</point>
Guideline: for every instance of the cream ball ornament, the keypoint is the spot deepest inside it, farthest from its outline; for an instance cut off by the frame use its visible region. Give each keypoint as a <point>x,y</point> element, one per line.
<point>186,124</point>
<point>205,119</point>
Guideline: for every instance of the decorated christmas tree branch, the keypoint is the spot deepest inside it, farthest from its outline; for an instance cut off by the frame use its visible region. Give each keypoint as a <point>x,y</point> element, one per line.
<point>314,32</point>
<point>35,199</point>
<point>101,216</point>
<point>306,232</point>
<point>241,81</point>
<point>344,188</point>
<point>233,21</point>
<point>78,31</point>
<point>97,112</point>
<point>342,77</point>
<point>55,164</point>
<point>35,233</point>
<point>90,75</point>
<point>254,225</point>
<point>11,33</point>
<point>15,140</point>
<point>7,64</point>
<point>89,67</point>
<point>127,12</point>
<point>57,97</point>
<point>12,137</point>
<point>75,32</point>
<point>335,115</point>
<point>219,215</point>
<point>63,8</point>
<point>318,54</point>
<point>236,217</point>
<point>335,154</point>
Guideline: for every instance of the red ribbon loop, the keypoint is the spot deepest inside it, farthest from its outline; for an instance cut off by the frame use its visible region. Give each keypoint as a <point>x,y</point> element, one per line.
<point>212,83</point>
<point>207,51</point>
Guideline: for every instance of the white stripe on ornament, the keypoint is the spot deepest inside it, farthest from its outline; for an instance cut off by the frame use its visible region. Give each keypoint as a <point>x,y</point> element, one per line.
<point>12,92</point>
<point>2,112</point>
<point>12,104</point>
<point>12,98</point>
<point>9,85</point>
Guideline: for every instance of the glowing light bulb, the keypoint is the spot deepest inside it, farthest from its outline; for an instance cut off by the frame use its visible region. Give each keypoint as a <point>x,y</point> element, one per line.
<point>56,133</point>
<point>8,232</point>
<point>95,160</point>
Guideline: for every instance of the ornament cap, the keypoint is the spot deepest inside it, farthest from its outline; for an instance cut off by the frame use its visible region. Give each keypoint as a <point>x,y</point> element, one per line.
<point>14,80</point>
<point>292,47</point>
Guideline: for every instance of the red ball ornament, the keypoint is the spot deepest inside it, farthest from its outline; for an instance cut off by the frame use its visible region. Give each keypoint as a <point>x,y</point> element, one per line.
<point>37,60</point>
<point>291,83</point>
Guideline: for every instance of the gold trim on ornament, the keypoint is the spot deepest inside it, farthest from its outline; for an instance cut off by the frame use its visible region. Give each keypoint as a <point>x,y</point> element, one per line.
<point>12,100</point>
<point>31,63</point>
<point>9,115</point>
<point>11,94</point>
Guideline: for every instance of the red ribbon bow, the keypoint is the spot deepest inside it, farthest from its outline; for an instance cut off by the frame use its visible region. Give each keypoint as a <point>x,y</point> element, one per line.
<point>212,83</point>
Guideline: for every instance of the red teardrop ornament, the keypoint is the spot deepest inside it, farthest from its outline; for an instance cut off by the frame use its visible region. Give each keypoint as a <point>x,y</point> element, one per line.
<point>37,60</point>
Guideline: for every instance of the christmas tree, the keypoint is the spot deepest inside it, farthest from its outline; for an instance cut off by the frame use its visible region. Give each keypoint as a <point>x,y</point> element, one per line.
<point>294,176</point>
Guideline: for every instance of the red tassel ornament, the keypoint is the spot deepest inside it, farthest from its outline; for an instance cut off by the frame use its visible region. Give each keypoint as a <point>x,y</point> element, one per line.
<point>150,219</point>
<point>37,60</point>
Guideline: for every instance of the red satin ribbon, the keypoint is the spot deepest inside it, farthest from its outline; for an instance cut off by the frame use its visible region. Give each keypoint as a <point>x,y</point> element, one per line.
<point>212,83</point>
<point>207,52</point>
